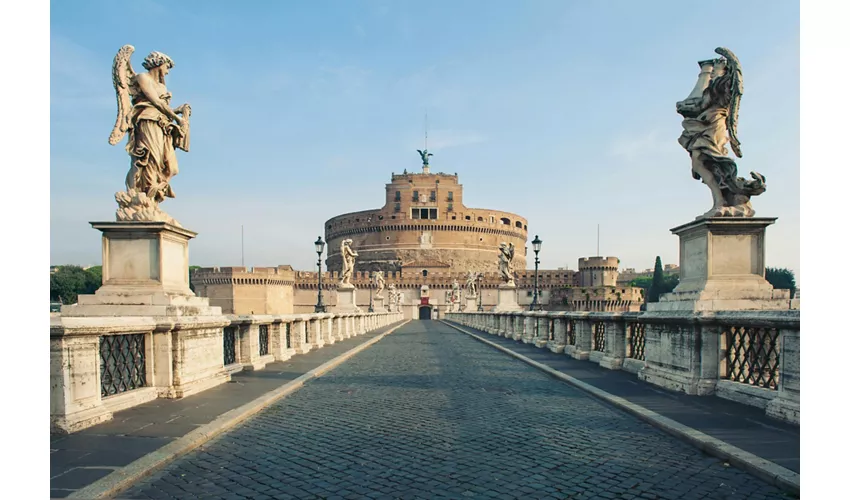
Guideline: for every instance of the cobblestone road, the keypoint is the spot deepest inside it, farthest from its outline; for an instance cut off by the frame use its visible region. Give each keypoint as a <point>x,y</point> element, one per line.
<point>429,412</point>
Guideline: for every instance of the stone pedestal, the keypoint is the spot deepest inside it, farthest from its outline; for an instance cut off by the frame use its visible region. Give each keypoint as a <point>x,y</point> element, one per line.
<point>378,304</point>
<point>507,301</point>
<point>722,265</point>
<point>145,273</point>
<point>471,304</point>
<point>346,299</point>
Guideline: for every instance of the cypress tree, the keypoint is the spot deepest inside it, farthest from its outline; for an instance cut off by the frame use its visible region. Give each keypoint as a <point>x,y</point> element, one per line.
<point>657,285</point>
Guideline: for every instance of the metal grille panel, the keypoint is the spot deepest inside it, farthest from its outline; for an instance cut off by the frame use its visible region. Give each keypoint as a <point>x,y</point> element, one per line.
<point>229,345</point>
<point>288,335</point>
<point>752,356</point>
<point>264,340</point>
<point>122,363</point>
<point>637,341</point>
<point>571,332</point>
<point>599,336</point>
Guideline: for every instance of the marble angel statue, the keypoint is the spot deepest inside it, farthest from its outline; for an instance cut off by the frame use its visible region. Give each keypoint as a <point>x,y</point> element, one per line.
<point>455,291</point>
<point>154,130</point>
<point>710,123</point>
<point>380,282</point>
<point>506,263</point>
<point>471,284</point>
<point>424,154</point>
<point>348,256</point>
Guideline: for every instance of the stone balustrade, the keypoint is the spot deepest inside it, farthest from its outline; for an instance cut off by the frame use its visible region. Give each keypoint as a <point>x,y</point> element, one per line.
<point>752,357</point>
<point>103,364</point>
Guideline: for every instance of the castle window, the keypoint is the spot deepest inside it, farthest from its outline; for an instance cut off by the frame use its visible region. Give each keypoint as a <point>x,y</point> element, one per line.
<point>451,208</point>
<point>424,273</point>
<point>451,196</point>
<point>454,217</point>
<point>380,217</point>
<point>433,196</point>
<point>492,219</point>
<point>414,213</point>
<point>433,213</point>
<point>519,224</point>
<point>481,219</point>
<point>506,221</point>
<point>415,195</point>
<point>397,208</point>
<point>468,218</point>
<point>398,196</point>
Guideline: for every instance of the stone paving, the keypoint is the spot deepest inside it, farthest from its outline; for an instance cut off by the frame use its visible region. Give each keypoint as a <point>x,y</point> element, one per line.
<point>429,412</point>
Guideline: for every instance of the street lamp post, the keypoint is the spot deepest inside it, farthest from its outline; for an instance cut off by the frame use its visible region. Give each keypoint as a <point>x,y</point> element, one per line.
<point>480,294</point>
<point>535,304</point>
<point>371,282</point>
<point>320,248</point>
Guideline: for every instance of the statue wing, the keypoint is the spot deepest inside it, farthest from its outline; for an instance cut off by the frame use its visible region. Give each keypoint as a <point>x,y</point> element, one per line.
<point>122,75</point>
<point>733,68</point>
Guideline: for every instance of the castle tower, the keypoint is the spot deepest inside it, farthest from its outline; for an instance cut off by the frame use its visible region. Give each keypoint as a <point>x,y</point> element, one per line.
<point>598,271</point>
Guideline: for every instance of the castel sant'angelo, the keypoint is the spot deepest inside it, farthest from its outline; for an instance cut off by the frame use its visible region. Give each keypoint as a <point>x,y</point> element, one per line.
<point>425,240</point>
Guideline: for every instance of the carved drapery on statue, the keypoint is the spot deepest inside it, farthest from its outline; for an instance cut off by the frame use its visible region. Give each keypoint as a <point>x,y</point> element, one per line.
<point>455,292</point>
<point>506,263</point>
<point>348,256</point>
<point>380,282</point>
<point>154,129</point>
<point>711,117</point>
<point>471,285</point>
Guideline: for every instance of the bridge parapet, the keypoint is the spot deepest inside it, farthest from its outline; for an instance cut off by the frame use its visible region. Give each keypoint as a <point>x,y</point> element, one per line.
<point>752,357</point>
<point>100,365</point>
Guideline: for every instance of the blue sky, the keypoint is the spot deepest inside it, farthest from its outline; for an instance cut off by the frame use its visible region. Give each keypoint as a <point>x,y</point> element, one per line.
<point>560,111</point>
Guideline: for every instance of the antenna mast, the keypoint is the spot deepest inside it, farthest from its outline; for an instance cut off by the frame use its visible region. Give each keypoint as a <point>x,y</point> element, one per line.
<point>425,168</point>
<point>597,241</point>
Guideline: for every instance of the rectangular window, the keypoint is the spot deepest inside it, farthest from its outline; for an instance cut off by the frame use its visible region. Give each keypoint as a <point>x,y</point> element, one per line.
<point>433,213</point>
<point>398,196</point>
<point>433,196</point>
<point>414,213</point>
<point>416,196</point>
<point>450,207</point>
<point>451,196</point>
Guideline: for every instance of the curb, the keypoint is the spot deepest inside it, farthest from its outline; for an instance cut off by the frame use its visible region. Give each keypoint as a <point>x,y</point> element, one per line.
<point>126,476</point>
<point>763,469</point>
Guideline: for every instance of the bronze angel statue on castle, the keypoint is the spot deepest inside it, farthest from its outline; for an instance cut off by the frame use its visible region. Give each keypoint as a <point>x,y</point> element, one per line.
<point>155,130</point>
<point>711,121</point>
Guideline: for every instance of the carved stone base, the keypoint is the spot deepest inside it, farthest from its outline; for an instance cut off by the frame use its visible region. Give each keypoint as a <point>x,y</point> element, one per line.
<point>722,268</point>
<point>507,299</point>
<point>145,273</point>
<point>471,304</point>
<point>346,299</point>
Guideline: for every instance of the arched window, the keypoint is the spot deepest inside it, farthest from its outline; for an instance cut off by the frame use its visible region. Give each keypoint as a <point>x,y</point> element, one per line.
<point>519,224</point>
<point>424,273</point>
<point>506,221</point>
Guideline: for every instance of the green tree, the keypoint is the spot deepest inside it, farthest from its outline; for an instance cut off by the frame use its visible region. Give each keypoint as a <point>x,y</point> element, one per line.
<point>641,282</point>
<point>69,281</point>
<point>191,270</point>
<point>655,289</point>
<point>781,279</point>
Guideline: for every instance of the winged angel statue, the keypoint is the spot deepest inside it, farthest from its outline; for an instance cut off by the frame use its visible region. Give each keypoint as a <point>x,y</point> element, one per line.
<point>711,112</point>
<point>154,129</point>
<point>424,154</point>
<point>506,263</point>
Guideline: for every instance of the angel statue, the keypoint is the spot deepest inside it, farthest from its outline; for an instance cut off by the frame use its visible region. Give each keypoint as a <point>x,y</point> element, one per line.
<point>711,112</point>
<point>471,289</point>
<point>455,291</point>
<point>506,263</point>
<point>155,130</point>
<point>424,154</point>
<point>379,281</point>
<point>348,256</point>
<point>392,296</point>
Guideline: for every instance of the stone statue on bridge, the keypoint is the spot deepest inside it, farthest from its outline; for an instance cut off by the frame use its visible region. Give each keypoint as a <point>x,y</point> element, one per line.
<point>155,130</point>
<point>471,284</point>
<point>379,281</point>
<point>455,292</point>
<point>348,256</point>
<point>506,263</point>
<point>710,122</point>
